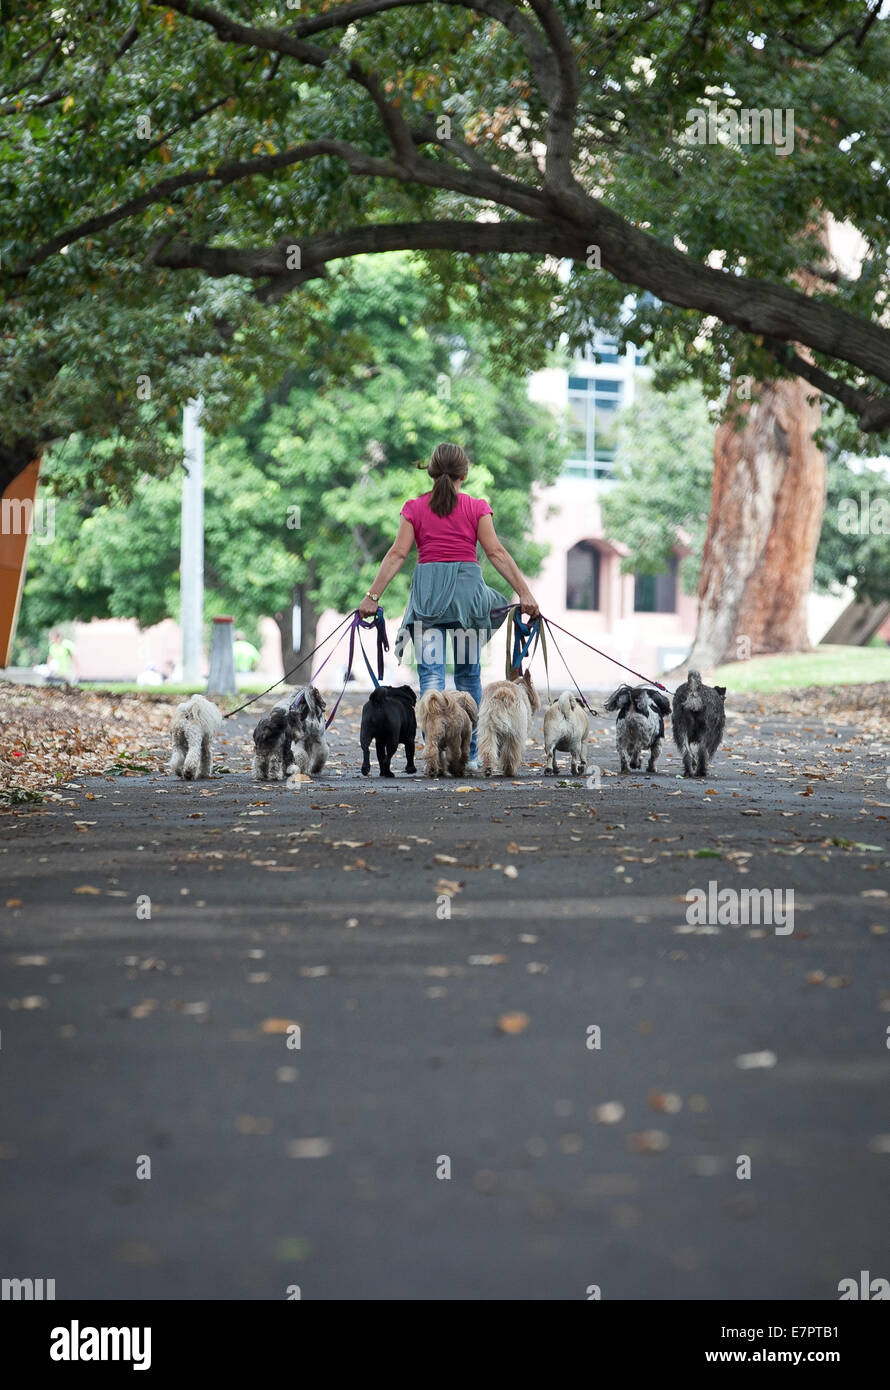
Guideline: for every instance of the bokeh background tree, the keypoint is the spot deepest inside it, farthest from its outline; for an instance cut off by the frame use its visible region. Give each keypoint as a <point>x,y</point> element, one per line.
<point>303,496</point>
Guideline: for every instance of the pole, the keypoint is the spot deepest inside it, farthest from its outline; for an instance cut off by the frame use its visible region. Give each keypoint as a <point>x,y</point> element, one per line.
<point>191,567</point>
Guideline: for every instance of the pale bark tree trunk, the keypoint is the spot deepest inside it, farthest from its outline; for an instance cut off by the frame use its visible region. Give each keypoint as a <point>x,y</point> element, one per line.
<point>766,514</point>
<point>308,626</point>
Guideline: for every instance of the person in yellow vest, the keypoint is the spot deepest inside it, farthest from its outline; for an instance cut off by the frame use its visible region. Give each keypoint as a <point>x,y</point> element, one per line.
<point>247,657</point>
<point>61,658</point>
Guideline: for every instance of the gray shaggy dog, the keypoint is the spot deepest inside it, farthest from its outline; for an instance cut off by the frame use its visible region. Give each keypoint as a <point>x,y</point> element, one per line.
<point>639,727</point>
<point>699,718</point>
<point>273,740</point>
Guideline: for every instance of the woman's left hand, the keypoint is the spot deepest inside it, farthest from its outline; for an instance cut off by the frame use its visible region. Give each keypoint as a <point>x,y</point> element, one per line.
<point>368,608</point>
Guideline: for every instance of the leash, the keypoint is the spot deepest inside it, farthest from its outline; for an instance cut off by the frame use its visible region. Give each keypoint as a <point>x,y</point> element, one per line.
<point>534,636</point>
<point>645,679</point>
<point>533,633</point>
<point>275,684</point>
<point>358,623</point>
<point>581,696</point>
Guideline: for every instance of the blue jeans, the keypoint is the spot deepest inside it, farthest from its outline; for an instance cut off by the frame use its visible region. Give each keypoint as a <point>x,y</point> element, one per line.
<point>431,664</point>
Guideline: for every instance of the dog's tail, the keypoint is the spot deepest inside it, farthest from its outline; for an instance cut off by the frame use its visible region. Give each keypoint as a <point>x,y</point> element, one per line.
<point>567,702</point>
<point>194,737</point>
<point>693,699</point>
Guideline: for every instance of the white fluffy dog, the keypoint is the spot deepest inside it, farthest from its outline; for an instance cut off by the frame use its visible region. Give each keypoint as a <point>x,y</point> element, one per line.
<point>566,730</point>
<point>505,717</point>
<point>194,724</point>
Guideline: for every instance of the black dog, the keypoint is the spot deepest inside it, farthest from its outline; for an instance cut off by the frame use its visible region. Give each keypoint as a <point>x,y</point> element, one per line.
<point>388,718</point>
<point>699,718</point>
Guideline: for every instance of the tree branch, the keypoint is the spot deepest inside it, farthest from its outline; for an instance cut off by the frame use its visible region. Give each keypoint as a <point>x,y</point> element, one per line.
<point>315,253</point>
<point>873,412</point>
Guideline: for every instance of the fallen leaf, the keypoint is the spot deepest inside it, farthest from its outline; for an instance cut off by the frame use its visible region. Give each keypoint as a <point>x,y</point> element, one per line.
<point>611,1112</point>
<point>747,1061</point>
<point>513,1023</point>
<point>648,1141</point>
<point>309,1148</point>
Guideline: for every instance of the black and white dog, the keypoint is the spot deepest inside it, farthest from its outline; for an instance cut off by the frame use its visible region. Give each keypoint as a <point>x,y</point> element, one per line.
<point>388,718</point>
<point>699,719</point>
<point>639,727</point>
<point>310,745</point>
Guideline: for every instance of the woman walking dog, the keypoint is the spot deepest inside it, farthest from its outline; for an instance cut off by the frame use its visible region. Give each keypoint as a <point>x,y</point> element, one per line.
<point>448,593</point>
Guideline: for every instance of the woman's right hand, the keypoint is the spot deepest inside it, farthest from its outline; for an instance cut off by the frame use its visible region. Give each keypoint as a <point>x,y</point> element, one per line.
<point>528,606</point>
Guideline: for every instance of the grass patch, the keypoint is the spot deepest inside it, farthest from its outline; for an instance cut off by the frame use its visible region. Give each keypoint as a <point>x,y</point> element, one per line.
<point>823,666</point>
<point>153,692</point>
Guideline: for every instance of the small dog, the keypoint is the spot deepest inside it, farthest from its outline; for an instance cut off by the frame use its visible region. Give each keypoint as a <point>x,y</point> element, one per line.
<point>640,725</point>
<point>273,744</point>
<point>446,719</point>
<point>310,747</point>
<point>566,730</point>
<point>194,724</point>
<point>505,716</point>
<point>388,717</point>
<point>699,718</point>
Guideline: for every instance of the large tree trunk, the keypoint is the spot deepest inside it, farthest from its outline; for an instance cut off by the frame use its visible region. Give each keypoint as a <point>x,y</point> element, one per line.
<point>766,514</point>
<point>308,625</point>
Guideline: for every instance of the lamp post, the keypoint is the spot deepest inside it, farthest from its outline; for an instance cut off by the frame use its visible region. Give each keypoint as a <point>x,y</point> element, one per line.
<point>191,565</point>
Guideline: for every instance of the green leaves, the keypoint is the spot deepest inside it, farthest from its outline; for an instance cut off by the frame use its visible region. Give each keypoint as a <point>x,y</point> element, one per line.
<point>337,439</point>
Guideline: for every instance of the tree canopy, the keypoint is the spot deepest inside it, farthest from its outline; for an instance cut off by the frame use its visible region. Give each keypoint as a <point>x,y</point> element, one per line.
<point>176,178</point>
<point>306,489</point>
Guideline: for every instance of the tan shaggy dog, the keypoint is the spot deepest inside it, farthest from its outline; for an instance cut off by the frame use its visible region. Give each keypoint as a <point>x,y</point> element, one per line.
<point>566,730</point>
<point>505,717</point>
<point>446,719</point>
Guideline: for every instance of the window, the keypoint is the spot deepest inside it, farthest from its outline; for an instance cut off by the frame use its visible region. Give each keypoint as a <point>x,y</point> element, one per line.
<point>583,576</point>
<point>593,409</point>
<point>656,593</point>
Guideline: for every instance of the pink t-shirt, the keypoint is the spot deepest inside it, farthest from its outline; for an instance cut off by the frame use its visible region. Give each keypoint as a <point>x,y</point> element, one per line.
<point>445,538</point>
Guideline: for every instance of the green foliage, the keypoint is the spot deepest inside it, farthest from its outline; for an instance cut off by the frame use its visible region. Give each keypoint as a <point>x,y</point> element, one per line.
<point>662,496</point>
<point>855,540</point>
<point>91,197</point>
<point>307,489</point>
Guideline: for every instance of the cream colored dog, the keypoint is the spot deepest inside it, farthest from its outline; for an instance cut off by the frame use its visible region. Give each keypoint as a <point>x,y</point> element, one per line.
<point>194,724</point>
<point>566,730</point>
<point>505,717</point>
<point>446,719</point>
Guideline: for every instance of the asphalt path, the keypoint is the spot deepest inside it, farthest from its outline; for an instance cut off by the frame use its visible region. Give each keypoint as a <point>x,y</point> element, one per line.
<point>522,1071</point>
